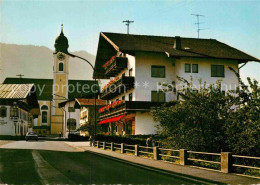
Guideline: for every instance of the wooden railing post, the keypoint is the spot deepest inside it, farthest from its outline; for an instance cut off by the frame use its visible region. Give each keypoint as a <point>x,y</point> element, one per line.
<point>183,157</point>
<point>112,146</point>
<point>104,145</point>
<point>97,144</point>
<point>122,148</point>
<point>226,162</point>
<point>136,150</point>
<point>156,151</point>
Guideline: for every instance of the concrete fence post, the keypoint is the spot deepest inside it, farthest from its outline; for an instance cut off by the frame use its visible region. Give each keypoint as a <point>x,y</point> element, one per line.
<point>156,151</point>
<point>183,157</point>
<point>104,145</point>
<point>226,162</point>
<point>112,146</point>
<point>136,150</point>
<point>97,144</point>
<point>122,148</point>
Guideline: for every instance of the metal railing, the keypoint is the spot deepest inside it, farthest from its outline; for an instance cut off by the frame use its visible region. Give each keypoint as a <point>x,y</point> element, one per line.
<point>225,160</point>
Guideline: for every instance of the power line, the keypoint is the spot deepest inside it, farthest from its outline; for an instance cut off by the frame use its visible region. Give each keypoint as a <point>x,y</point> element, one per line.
<point>198,23</point>
<point>127,23</point>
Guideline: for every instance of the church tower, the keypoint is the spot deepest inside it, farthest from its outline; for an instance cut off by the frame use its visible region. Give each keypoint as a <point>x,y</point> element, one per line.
<point>60,81</point>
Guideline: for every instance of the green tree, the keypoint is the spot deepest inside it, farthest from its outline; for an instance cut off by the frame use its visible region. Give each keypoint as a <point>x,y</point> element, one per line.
<point>209,120</point>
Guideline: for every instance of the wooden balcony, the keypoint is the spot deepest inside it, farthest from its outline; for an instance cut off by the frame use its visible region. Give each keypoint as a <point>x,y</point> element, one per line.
<point>116,66</point>
<point>120,86</point>
<point>128,107</point>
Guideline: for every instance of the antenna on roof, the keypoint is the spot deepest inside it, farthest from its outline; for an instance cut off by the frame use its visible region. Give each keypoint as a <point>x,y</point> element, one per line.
<point>127,23</point>
<point>20,75</point>
<point>198,23</point>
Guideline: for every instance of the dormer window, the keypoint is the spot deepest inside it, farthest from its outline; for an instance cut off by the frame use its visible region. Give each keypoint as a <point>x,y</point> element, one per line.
<point>61,66</point>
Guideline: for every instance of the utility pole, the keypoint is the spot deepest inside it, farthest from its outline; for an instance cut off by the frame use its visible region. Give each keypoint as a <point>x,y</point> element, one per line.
<point>198,23</point>
<point>127,23</point>
<point>20,75</point>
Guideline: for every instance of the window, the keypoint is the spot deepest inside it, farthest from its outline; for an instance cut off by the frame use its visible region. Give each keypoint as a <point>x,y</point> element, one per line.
<point>158,71</point>
<point>130,97</point>
<point>3,111</point>
<point>60,66</point>
<point>195,68</point>
<point>13,112</point>
<point>217,71</point>
<point>44,116</point>
<point>44,107</point>
<point>131,72</point>
<point>158,96</point>
<point>187,68</point>
<point>44,113</point>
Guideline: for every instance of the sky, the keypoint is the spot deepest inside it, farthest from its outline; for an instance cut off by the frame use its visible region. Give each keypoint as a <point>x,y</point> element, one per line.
<point>37,22</point>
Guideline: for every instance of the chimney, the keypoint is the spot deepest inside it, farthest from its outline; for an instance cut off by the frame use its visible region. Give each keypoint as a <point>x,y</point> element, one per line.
<point>177,42</point>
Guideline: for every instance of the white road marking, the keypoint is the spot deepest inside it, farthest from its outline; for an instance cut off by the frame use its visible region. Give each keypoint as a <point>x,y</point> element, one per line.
<point>47,173</point>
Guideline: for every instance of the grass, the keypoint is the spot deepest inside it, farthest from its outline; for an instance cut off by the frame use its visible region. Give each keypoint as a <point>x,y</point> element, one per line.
<point>17,167</point>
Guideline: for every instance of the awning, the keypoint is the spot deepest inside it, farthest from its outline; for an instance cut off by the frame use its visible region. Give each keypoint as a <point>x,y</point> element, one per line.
<point>117,118</point>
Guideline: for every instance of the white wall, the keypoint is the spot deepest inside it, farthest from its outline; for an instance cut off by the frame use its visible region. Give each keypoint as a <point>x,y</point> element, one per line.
<point>75,115</point>
<point>144,123</point>
<point>144,61</point>
<point>7,126</point>
<point>204,65</point>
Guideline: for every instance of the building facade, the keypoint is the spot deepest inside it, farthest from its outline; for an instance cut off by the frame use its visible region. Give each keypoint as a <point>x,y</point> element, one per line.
<point>51,92</point>
<point>18,108</point>
<point>79,112</point>
<point>141,67</point>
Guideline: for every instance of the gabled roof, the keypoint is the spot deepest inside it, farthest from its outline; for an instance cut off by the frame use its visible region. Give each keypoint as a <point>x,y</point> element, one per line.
<point>15,91</point>
<point>22,94</point>
<point>84,102</point>
<point>45,86</point>
<point>110,43</point>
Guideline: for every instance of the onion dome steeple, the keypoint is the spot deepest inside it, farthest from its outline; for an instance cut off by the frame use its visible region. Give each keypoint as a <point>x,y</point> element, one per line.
<point>61,43</point>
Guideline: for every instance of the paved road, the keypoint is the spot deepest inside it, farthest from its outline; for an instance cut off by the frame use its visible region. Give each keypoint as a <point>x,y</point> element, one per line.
<point>39,145</point>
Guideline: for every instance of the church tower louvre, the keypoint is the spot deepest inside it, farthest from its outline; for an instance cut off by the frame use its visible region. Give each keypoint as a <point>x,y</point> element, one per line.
<point>60,81</point>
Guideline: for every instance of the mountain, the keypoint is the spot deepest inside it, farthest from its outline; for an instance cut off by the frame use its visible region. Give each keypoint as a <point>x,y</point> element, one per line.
<point>37,62</point>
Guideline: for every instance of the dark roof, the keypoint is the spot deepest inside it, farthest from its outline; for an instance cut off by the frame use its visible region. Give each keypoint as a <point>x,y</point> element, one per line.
<point>61,43</point>
<point>47,84</point>
<point>84,102</point>
<point>110,43</point>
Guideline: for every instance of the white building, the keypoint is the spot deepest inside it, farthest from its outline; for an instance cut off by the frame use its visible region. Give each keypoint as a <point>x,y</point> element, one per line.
<point>18,108</point>
<point>78,112</point>
<point>136,64</point>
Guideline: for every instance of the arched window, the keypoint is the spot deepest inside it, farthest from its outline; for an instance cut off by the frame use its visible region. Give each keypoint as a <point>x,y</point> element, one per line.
<point>60,66</point>
<point>44,109</point>
<point>44,116</point>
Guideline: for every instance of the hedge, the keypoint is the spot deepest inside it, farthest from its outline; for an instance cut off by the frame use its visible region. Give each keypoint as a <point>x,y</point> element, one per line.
<point>8,137</point>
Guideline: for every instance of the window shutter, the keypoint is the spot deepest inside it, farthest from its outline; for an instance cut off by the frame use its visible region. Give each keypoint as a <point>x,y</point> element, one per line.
<point>154,96</point>
<point>213,70</point>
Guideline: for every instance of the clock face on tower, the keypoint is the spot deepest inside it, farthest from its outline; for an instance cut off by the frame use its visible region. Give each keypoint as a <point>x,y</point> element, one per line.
<point>61,56</point>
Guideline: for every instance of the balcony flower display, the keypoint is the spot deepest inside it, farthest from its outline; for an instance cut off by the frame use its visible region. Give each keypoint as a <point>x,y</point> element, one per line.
<point>113,105</point>
<point>109,62</point>
<point>110,83</point>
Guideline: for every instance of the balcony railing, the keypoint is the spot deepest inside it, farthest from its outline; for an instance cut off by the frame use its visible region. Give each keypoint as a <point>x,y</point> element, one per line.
<point>118,87</point>
<point>121,107</point>
<point>115,65</point>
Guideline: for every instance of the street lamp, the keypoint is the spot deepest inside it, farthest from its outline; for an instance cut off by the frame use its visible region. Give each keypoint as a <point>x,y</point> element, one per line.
<point>95,81</point>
